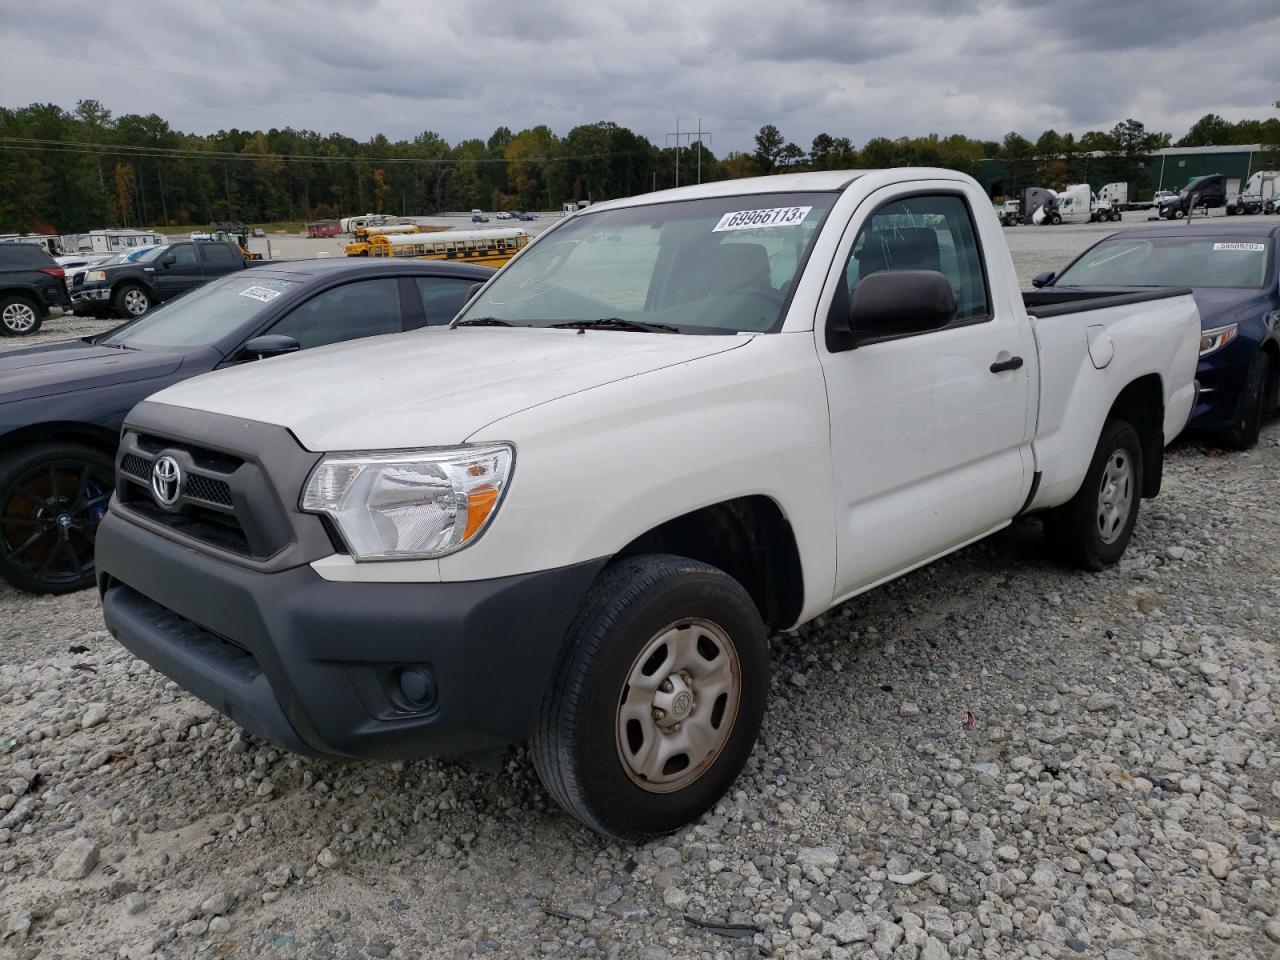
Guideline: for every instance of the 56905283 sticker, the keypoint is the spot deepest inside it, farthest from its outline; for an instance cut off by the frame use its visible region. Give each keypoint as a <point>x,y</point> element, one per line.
<point>1240,245</point>
<point>259,292</point>
<point>757,219</point>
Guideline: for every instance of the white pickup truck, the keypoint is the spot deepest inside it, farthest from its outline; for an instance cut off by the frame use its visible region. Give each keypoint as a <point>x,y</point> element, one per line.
<point>672,424</point>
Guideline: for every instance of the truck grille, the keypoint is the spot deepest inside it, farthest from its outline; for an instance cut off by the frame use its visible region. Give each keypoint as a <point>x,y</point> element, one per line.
<point>223,501</point>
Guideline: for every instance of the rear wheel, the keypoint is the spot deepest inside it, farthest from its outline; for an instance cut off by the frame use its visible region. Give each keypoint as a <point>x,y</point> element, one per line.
<point>657,699</point>
<point>1092,529</point>
<point>131,301</point>
<point>52,497</point>
<point>19,315</point>
<point>1244,429</point>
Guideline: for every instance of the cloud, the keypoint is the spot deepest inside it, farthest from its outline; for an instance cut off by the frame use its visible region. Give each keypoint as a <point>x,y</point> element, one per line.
<point>856,69</point>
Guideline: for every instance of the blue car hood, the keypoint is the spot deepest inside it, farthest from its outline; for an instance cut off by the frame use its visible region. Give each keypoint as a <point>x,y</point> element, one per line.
<point>1222,305</point>
<point>53,368</point>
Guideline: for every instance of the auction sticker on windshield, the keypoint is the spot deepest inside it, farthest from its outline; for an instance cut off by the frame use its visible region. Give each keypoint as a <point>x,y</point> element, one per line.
<point>260,292</point>
<point>1241,245</point>
<point>755,219</point>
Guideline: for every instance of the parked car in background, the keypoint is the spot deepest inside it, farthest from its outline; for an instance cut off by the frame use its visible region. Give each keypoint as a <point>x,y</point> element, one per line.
<point>502,215</point>
<point>522,215</point>
<point>676,423</point>
<point>61,404</point>
<point>80,261</point>
<point>129,287</point>
<point>30,284</point>
<point>477,216</point>
<point>1231,268</point>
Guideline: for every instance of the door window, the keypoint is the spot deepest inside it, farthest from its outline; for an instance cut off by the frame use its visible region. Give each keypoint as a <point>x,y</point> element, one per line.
<point>366,308</point>
<point>221,255</point>
<point>185,254</point>
<point>933,232</point>
<point>442,297</point>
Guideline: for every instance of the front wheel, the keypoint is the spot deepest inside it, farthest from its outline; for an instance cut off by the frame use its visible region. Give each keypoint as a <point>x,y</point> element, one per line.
<point>657,699</point>
<point>131,301</point>
<point>1092,529</point>
<point>52,497</point>
<point>1247,424</point>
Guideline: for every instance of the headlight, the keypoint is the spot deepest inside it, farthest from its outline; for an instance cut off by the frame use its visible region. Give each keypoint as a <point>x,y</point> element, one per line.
<point>1211,341</point>
<point>410,504</point>
<point>95,276</point>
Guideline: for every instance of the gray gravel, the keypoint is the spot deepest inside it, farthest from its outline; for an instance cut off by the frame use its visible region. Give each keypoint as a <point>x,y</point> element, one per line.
<point>993,758</point>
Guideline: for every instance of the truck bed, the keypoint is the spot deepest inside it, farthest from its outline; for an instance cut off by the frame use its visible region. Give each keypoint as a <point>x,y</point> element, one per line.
<point>1091,344</point>
<point>1056,301</point>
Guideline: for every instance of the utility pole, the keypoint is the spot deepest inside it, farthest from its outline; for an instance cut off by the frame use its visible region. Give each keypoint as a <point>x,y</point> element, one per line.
<point>688,138</point>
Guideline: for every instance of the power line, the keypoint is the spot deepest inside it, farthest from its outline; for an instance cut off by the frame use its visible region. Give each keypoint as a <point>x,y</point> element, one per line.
<point>187,153</point>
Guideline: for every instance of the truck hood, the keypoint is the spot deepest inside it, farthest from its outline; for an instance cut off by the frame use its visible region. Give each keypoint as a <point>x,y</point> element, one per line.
<point>54,368</point>
<point>432,387</point>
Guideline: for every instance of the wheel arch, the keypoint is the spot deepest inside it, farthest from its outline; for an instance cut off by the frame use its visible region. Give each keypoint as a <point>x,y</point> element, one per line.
<point>60,431</point>
<point>1272,396</point>
<point>1141,403</point>
<point>748,538</point>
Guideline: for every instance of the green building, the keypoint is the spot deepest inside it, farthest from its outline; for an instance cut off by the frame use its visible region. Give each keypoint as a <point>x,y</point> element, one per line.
<point>1167,169</point>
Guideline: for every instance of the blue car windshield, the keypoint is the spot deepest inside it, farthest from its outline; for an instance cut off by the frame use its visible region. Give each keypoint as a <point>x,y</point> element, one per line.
<point>1190,261</point>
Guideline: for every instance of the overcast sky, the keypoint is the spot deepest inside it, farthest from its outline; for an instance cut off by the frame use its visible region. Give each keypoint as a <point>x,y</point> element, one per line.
<point>856,69</point>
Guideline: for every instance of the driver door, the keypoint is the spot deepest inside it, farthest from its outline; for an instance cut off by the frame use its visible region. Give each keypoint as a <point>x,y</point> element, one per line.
<point>180,275</point>
<point>930,444</point>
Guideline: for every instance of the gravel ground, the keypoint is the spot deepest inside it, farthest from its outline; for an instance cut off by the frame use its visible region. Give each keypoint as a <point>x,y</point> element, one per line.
<point>993,757</point>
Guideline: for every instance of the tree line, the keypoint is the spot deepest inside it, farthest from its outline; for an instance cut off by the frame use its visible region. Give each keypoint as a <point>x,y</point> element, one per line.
<point>70,171</point>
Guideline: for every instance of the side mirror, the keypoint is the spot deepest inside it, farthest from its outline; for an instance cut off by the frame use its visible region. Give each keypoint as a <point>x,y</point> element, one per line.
<point>896,302</point>
<point>1043,279</point>
<point>471,293</point>
<point>169,259</point>
<point>269,345</point>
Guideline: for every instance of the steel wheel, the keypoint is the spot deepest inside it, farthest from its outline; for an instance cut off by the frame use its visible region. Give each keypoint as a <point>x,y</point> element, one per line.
<point>1115,496</point>
<point>19,317</point>
<point>49,520</point>
<point>678,706</point>
<point>136,302</point>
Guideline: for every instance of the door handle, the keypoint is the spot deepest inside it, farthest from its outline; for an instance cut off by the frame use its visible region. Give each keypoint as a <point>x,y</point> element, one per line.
<point>1000,366</point>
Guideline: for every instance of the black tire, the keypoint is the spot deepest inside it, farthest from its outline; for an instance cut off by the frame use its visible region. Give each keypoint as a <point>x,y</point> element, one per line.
<point>125,296</point>
<point>578,747</point>
<point>1074,531</point>
<point>1244,429</point>
<point>52,496</point>
<point>1179,214</point>
<point>1056,219</point>
<point>20,316</point>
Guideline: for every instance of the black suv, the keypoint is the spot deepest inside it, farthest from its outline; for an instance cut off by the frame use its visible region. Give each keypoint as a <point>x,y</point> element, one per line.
<point>30,283</point>
<point>131,288</point>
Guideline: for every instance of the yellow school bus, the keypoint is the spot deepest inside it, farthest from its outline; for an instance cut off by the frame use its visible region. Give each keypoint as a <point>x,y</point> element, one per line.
<point>364,233</point>
<point>492,248</point>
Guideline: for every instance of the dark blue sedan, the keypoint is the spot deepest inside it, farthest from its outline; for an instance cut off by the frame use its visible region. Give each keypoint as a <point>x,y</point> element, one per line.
<point>1231,268</point>
<point>62,404</point>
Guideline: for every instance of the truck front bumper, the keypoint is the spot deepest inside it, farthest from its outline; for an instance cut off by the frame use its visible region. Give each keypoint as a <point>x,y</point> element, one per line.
<point>377,670</point>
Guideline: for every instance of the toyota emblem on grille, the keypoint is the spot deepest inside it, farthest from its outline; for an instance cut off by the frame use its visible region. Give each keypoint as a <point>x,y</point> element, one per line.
<point>166,481</point>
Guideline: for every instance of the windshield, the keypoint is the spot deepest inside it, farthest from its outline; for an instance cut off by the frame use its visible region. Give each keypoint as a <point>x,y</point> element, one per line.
<point>145,256</point>
<point>716,265</point>
<point>203,316</point>
<point>1194,261</point>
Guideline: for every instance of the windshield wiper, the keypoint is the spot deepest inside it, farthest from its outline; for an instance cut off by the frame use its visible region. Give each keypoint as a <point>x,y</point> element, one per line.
<point>483,322</point>
<point>617,323</point>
